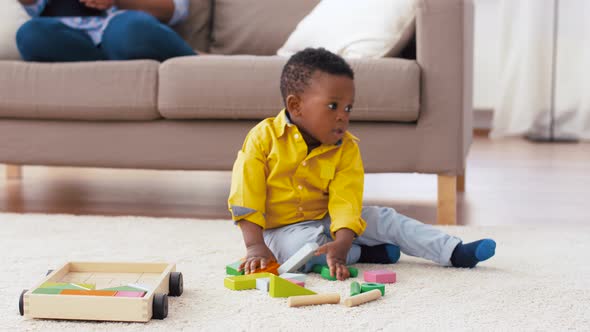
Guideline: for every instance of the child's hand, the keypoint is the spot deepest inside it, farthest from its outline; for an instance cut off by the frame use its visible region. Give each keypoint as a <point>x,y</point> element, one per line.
<point>257,256</point>
<point>336,253</point>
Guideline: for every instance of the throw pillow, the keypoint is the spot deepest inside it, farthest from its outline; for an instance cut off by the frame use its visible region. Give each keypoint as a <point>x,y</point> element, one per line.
<point>12,16</point>
<point>355,29</point>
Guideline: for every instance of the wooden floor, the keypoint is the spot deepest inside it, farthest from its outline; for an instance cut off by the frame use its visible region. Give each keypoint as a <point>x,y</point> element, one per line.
<point>508,182</point>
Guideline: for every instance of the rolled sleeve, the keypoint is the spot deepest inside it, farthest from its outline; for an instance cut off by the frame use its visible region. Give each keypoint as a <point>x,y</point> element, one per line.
<point>181,10</point>
<point>35,9</point>
<point>346,193</point>
<point>247,199</point>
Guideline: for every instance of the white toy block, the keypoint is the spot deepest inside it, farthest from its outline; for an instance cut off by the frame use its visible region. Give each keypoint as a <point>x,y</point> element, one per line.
<point>301,257</point>
<point>262,284</point>
<point>294,276</point>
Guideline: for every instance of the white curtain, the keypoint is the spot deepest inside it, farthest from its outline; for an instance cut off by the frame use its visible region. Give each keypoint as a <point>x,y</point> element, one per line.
<point>524,93</point>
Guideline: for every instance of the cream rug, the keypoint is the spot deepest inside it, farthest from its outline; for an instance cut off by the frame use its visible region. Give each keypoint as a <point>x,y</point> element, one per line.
<point>539,279</point>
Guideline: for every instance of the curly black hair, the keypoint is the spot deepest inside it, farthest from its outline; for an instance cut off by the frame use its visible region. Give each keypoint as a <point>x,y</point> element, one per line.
<point>301,66</point>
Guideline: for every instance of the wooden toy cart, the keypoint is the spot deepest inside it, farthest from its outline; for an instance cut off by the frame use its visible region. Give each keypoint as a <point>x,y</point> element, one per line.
<point>158,280</point>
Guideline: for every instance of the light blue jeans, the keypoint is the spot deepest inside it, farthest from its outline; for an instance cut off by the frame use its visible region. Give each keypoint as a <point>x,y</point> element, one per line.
<point>384,226</point>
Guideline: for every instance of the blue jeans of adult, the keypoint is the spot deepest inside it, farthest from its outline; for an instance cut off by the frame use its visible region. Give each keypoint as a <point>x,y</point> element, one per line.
<point>129,35</point>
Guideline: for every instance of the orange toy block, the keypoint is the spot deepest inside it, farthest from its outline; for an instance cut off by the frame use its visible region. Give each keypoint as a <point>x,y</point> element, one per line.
<point>88,292</point>
<point>273,268</point>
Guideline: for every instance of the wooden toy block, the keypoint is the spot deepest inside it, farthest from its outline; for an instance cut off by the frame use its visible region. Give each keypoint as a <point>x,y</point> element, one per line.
<point>301,257</point>
<point>101,282</point>
<point>324,271</point>
<point>90,305</point>
<point>244,282</point>
<point>296,282</point>
<point>280,287</point>
<point>294,276</point>
<point>47,291</point>
<point>148,279</point>
<point>78,277</point>
<point>272,267</point>
<point>129,294</point>
<point>233,268</point>
<point>380,276</point>
<point>67,285</point>
<point>355,288</point>
<point>142,287</point>
<point>88,292</point>
<point>303,300</point>
<point>369,286</point>
<point>262,284</point>
<point>362,298</point>
<point>127,289</point>
<point>317,268</point>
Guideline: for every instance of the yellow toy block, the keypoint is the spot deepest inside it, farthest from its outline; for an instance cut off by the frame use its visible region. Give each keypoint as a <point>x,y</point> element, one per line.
<point>66,285</point>
<point>280,287</point>
<point>247,281</point>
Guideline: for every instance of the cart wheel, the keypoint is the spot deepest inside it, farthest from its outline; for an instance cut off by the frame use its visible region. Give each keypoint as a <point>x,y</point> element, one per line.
<point>21,302</point>
<point>48,272</point>
<point>176,284</point>
<point>160,306</point>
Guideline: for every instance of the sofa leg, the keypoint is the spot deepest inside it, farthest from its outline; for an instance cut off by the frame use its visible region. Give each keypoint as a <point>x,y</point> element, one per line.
<point>447,200</point>
<point>13,172</point>
<point>461,182</point>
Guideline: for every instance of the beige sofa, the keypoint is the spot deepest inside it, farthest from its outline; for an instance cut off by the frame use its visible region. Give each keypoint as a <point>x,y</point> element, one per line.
<point>192,113</point>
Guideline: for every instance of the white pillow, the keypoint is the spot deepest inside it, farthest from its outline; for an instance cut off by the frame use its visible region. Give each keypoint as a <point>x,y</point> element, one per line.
<point>12,16</point>
<point>355,28</point>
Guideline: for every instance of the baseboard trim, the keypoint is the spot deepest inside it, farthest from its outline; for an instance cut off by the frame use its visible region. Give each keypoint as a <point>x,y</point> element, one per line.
<point>482,121</point>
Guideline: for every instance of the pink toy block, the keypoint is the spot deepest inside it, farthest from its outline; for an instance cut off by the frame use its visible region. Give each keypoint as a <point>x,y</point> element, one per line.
<point>380,276</point>
<point>297,282</point>
<point>129,294</point>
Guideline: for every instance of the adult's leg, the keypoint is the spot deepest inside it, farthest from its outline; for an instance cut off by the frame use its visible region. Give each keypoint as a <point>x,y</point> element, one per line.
<point>46,39</point>
<point>138,35</point>
<point>385,225</point>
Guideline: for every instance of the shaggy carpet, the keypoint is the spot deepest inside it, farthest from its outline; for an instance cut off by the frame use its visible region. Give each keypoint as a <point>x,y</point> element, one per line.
<point>538,280</point>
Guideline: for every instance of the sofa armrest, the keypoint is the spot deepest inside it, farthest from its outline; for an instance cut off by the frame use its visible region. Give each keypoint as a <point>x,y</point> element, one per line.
<point>444,51</point>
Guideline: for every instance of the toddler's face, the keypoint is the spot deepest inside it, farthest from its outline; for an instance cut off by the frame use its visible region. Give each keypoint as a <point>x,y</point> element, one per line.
<point>325,107</point>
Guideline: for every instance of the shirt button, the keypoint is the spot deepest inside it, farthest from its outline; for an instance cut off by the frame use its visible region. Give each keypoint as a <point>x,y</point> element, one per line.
<point>296,136</point>
<point>304,163</point>
<point>300,208</point>
<point>299,187</point>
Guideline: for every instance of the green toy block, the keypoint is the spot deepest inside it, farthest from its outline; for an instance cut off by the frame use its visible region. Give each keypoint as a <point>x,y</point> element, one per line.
<point>68,285</point>
<point>355,288</point>
<point>247,281</point>
<point>280,287</point>
<point>233,269</point>
<point>317,268</point>
<point>125,289</point>
<point>47,291</point>
<point>324,270</point>
<point>369,286</point>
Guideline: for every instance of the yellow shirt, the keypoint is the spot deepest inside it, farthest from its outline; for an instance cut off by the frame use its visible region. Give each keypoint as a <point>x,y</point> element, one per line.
<point>276,183</point>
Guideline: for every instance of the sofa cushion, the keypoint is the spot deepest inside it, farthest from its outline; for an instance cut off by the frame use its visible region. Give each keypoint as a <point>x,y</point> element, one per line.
<point>247,87</point>
<point>258,27</point>
<point>196,29</point>
<point>109,90</point>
